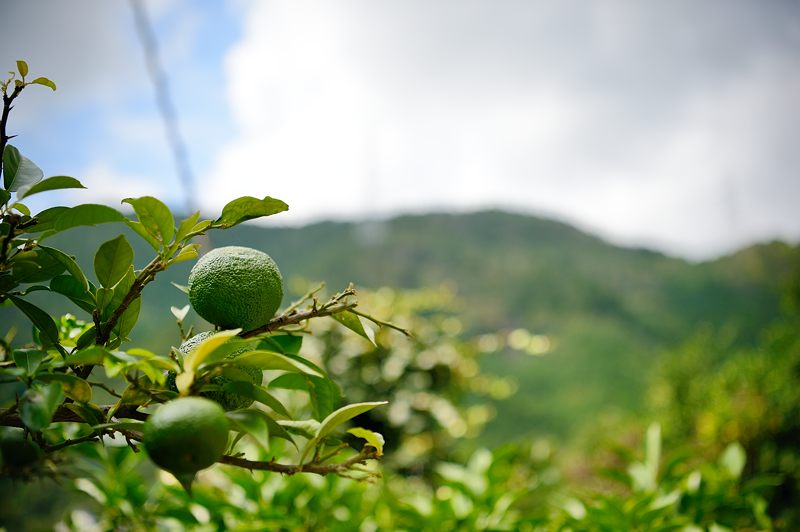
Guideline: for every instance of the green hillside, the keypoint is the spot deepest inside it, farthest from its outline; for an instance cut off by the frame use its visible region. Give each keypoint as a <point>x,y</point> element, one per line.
<point>606,311</point>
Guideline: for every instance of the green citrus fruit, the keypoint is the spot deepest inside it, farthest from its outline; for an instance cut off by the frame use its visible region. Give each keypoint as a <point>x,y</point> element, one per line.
<point>186,435</point>
<point>235,287</point>
<point>228,401</point>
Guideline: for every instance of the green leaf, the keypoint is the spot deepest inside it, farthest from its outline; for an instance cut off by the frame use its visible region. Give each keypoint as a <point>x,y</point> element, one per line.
<point>306,428</point>
<point>290,381</point>
<point>112,261</point>
<point>73,387</point>
<point>324,395</point>
<point>733,459</point>
<point>287,344</point>
<point>5,195</point>
<point>66,285</point>
<point>87,214</point>
<point>257,393</point>
<point>355,324</point>
<point>22,68</point>
<point>44,81</point>
<point>28,359</point>
<point>251,422</point>
<point>247,208</point>
<point>188,253</point>
<point>71,265</point>
<point>46,219</point>
<point>373,438</point>
<point>186,226</point>
<point>141,230</point>
<point>58,182</point>
<point>103,297</point>
<point>197,357</point>
<point>18,170</point>
<point>343,415</point>
<point>38,404</point>
<point>155,216</point>
<point>21,208</point>
<point>91,356</point>
<point>41,319</point>
<point>35,266</point>
<point>90,413</point>
<point>271,360</point>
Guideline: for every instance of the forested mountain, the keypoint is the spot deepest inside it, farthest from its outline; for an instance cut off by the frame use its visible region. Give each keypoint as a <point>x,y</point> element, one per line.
<point>606,312</point>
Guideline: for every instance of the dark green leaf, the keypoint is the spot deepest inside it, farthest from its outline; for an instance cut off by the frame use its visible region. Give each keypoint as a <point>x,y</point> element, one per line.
<point>324,396</point>
<point>90,413</point>
<point>37,405</point>
<point>22,68</point>
<point>51,183</point>
<point>40,319</point>
<point>18,170</point>
<point>87,214</point>
<point>35,266</point>
<point>257,393</point>
<point>104,297</point>
<point>5,195</point>
<point>155,216</point>
<point>247,208</point>
<point>71,265</point>
<point>251,423</point>
<point>28,359</point>
<point>112,261</point>
<point>46,219</point>
<point>290,381</point>
<point>44,81</point>
<point>287,344</point>
<point>73,387</point>
<point>270,360</point>
<point>87,338</point>
<point>249,418</point>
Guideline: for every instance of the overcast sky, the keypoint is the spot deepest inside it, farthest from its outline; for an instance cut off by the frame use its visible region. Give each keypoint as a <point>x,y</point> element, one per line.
<point>668,124</point>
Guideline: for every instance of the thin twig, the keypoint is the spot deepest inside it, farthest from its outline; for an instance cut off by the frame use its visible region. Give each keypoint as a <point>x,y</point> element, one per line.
<point>367,453</point>
<point>110,390</point>
<point>66,443</point>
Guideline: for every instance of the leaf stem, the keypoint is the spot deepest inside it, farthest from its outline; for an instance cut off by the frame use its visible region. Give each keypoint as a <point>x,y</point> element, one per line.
<point>367,453</point>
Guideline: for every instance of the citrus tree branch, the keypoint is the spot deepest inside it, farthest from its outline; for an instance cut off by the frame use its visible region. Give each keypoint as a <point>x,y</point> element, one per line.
<point>367,453</point>
<point>336,304</point>
<point>7,99</point>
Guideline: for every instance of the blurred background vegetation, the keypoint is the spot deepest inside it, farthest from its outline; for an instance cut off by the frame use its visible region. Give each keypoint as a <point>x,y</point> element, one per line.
<point>554,381</point>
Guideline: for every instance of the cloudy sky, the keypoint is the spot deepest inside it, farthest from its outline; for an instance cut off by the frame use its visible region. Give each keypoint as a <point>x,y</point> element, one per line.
<point>667,124</point>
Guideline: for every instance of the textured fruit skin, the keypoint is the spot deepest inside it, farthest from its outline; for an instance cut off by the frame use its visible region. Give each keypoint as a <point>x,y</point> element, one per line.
<point>186,435</point>
<point>228,401</point>
<point>235,287</point>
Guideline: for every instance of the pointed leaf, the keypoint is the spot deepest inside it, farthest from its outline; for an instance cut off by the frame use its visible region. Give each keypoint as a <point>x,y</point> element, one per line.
<point>198,355</point>
<point>345,414</point>
<point>155,216</point>
<point>373,438</point>
<point>113,260</point>
<point>44,81</point>
<point>58,182</point>
<point>141,230</point>
<point>72,266</point>
<point>41,319</point>
<point>186,226</point>
<point>18,170</point>
<point>90,356</point>
<point>253,419</point>
<point>248,208</point>
<point>22,68</point>
<point>355,324</point>
<point>67,285</point>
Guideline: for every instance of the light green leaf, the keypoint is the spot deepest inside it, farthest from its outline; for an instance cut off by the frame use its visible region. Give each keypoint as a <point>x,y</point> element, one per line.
<point>41,319</point>
<point>46,219</point>
<point>188,253</point>
<point>44,81</point>
<point>21,208</point>
<point>197,357</point>
<point>103,296</point>
<point>733,459</point>
<point>248,208</point>
<point>74,387</point>
<point>38,404</point>
<point>186,226</point>
<point>90,356</point>
<point>373,438</point>
<point>18,170</point>
<point>306,428</point>
<point>141,230</point>
<point>345,414</point>
<point>355,324</point>
<point>112,261</point>
<point>155,216</point>
<point>28,359</point>
<point>58,182</point>
<point>87,214</point>
<point>22,68</point>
